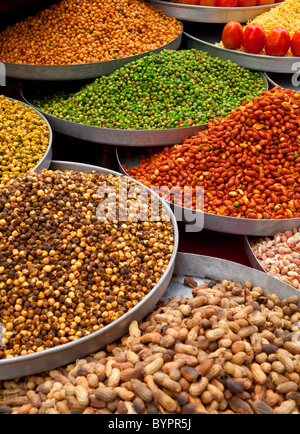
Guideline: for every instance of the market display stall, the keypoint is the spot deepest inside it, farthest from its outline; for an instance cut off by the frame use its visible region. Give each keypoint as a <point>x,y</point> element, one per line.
<point>115,297</point>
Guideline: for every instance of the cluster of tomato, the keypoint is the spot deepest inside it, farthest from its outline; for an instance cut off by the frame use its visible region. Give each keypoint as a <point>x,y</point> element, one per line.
<point>253,39</point>
<point>228,3</point>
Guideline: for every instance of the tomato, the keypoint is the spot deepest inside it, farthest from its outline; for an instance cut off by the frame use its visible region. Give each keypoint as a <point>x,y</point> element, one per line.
<point>295,44</point>
<point>265,2</point>
<point>228,3</point>
<point>208,2</point>
<point>254,38</point>
<point>278,42</point>
<point>247,3</point>
<point>232,35</point>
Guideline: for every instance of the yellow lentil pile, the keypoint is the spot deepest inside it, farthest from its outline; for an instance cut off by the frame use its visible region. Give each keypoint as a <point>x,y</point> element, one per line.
<point>87,31</point>
<point>64,271</point>
<point>24,139</point>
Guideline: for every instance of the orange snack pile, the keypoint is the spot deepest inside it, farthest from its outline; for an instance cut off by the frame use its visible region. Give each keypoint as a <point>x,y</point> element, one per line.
<point>87,31</point>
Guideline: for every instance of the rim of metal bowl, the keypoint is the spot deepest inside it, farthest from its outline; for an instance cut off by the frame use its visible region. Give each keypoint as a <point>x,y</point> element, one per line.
<point>47,353</point>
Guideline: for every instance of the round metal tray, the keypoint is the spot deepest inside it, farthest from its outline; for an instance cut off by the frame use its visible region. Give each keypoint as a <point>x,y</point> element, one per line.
<point>210,14</point>
<point>67,353</point>
<point>251,255</point>
<point>45,162</point>
<point>286,81</point>
<point>217,223</point>
<point>205,38</point>
<point>84,71</point>
<point>110,136</point>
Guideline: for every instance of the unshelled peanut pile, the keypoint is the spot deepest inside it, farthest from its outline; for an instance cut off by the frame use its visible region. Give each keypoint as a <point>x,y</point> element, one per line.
<point>228,348</point>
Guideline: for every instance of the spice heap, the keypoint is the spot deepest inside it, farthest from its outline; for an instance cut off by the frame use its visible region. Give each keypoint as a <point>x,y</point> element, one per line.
<point>67,266</point>
<point>86,31</point>
<point>280,255</point>
<point>248,163</point>
<point>228,349</point>
<point>24,139</point>
<point>166,90</point>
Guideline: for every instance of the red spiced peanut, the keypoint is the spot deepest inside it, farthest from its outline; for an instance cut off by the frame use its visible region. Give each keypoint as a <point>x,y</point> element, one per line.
<point>248,162</point>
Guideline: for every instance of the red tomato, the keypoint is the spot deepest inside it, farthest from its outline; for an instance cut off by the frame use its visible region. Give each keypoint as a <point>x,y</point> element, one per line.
<point>228,3</point>
<point>278,42</point>
<point>247,3</point>
<point>265,2</point>
<point>232,35</point>
<point>208,2</point>
<point>295,44</point>
<point>254,38</point>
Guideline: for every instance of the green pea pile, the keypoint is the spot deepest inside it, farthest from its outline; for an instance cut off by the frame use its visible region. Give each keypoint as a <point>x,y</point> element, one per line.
<point>171,89</point>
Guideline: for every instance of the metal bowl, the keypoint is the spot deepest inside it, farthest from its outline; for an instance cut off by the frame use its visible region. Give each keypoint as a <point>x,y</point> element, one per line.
<point>67,353</point>
<point>286,81</point>
<point>196,220</point>
<point>111,136</point>
<point>45,162</point>
<point>83,71</point>
<point>250,253</point>
<point>210,14</point>
<point>205,38</point>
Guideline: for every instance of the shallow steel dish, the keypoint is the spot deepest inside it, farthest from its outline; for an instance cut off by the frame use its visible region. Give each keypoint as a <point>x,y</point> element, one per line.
<point>64,354</point>
<point>83,71</point>
<point>250,253</point>
<point>251,256</point>
<point>205,269</point>
<point>206,36</point>
<point>110,136</point>
<point>201,220</point>
<point>210,14</point>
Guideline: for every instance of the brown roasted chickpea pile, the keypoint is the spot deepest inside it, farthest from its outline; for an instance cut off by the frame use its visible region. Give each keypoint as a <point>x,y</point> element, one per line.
<point>64,271</point>
<point>87,31</point>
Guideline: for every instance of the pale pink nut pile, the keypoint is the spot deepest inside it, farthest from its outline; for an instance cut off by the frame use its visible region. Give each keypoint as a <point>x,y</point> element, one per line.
<point>280,255</point>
